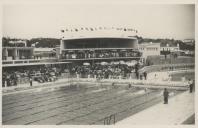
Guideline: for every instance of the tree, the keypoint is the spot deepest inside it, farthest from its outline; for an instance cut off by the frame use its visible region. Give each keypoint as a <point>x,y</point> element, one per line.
<point>165,53</point>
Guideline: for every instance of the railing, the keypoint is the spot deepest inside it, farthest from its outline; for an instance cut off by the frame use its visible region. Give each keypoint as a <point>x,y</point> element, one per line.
<point>108,119</point>
<point>100,54</point>
<point>167,67</point>
<point>25,61</point>
<point>105,58</point>
<point>78,49</point>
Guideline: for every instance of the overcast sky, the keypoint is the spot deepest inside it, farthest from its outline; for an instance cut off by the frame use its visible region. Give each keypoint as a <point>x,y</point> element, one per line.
<point>151,21</point>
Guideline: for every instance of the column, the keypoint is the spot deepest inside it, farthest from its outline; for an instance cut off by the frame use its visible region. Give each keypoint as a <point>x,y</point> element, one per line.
<point>15,54</point>
<point>5,53</point>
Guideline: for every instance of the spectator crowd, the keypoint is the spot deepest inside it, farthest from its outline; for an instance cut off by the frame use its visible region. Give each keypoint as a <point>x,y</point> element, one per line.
<point>106,71</point>
<point>41,74</point>
<point>12,77</point>
<point>99,54</point>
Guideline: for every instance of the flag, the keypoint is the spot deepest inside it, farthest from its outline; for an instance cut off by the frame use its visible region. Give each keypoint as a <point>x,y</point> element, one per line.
<point>125,29</point>
<point>66,30</point>
<point>62,31</point>
<point>81,28</point>
<point>87,29</point>
<point>76,29</point>
<point>91,29</point>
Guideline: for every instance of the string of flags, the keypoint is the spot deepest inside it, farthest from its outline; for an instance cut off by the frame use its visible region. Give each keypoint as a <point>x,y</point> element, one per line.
<point>98,28</point>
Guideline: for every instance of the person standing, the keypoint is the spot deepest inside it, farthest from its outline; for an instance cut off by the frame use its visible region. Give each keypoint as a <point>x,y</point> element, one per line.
<point>30,81</point>
<point>145,75</point>
<point>190,85</point>
<point>129,85</point>
<point>166,94</point>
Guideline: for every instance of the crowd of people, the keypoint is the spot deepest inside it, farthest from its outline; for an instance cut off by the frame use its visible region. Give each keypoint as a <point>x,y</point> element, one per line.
<point>41,74</point>
<point>99,54</point>
<point>105,71</point>
<point>11,77</point>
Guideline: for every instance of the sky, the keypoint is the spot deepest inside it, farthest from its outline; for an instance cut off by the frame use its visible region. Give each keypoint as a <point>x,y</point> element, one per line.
<point>151,20</point>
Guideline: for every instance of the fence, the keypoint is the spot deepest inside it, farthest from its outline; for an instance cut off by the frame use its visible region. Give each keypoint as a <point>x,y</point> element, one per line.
<point>167,67</point>
<point>108,119</point>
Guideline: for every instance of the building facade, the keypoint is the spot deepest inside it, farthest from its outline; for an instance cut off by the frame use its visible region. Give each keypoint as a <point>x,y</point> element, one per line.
<point>170,47</point>
<point>110,44</point>
<point>149,49</point>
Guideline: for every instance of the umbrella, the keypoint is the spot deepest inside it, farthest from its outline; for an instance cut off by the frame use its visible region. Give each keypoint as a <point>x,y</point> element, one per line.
<point>104,63</point>
<point>122,62</point>
<point>123,50</point>
<point>86,64</point>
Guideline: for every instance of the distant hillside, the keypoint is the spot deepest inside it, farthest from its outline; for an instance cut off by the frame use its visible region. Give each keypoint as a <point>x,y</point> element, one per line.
<point>52,42</point>
<point>44,42</point>
<point>39,42</point>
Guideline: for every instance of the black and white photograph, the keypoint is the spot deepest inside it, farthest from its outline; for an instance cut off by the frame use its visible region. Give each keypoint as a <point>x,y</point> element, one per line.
<point>98,64</point>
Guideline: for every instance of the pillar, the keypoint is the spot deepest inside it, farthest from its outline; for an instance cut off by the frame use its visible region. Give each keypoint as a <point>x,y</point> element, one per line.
<point>5,53</point>
<point>15,54</point>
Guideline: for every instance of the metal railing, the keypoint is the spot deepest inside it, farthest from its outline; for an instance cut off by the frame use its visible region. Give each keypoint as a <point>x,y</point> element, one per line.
<point>108,119</point>
<point>167,67</point>
<point>25,61</point>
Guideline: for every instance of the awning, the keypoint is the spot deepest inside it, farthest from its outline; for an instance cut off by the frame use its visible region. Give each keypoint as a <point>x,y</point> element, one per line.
<point>122,62</point>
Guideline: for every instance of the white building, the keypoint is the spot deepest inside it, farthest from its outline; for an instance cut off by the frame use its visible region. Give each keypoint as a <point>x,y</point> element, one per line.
<point>19,42</point>
<point>149,49</point>
<point>169,47</point>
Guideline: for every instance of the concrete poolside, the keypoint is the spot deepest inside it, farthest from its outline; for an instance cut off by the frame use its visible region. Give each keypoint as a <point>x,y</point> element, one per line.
<point>179,109</point>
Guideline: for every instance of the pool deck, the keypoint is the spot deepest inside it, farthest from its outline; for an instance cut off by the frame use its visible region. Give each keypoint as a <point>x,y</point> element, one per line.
<point>178,110</point>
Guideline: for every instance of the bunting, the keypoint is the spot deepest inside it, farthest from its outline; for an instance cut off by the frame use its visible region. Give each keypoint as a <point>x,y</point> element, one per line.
<point>99,28</point>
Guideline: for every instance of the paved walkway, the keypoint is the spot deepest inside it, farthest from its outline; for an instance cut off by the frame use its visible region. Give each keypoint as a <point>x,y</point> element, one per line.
<point>179,109</point>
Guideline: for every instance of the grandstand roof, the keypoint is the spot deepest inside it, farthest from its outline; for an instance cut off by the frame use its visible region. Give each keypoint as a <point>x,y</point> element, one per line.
<point>98,32</point>
<point>99,37</point>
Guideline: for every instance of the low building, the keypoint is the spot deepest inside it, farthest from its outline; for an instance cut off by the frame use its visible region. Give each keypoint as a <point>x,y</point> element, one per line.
<point>19,43</point>
<point>44,53</point>
<point>169,47</point>
<point>17,53</point>
<point>149,49</point>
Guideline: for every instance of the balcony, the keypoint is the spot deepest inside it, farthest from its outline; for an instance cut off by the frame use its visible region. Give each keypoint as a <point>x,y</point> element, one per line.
<point>27,61</point>
<point>99,54</point>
